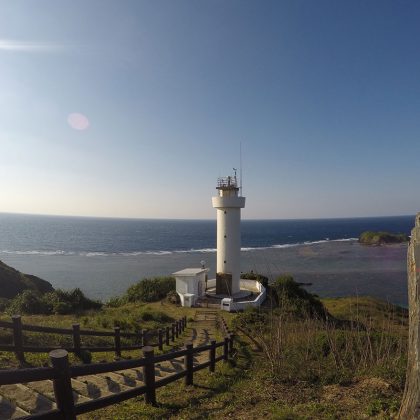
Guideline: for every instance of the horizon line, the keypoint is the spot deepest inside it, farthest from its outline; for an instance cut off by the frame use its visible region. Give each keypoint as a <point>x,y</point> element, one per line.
<point>197,219</point>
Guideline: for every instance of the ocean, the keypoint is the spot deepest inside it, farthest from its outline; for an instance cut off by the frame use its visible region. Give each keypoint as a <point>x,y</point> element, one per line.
<point>104,256</point>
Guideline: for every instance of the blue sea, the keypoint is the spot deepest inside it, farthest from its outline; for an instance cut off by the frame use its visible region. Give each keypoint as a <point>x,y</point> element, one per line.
<point>103,256</point>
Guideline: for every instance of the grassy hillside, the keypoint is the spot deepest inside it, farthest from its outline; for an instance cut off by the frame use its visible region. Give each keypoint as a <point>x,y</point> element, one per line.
<point>13,282</point>
<point>305,368</point>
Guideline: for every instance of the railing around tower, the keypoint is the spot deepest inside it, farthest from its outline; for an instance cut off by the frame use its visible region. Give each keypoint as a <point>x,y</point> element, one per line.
<point>227,182</point>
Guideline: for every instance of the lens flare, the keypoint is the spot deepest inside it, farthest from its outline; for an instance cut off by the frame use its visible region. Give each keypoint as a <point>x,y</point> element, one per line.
<point>78,121</point>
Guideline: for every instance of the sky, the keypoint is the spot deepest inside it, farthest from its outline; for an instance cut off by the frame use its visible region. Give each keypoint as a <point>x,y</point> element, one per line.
<point>134,108</point>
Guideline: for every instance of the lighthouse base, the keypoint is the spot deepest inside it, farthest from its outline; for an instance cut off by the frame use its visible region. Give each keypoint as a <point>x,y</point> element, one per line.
<point>251,294</point>
<point>217,297</point>
<point>224,284</point>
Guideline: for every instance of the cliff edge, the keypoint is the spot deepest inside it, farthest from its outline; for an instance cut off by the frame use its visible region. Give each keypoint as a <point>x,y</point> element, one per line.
<point>13,282</point>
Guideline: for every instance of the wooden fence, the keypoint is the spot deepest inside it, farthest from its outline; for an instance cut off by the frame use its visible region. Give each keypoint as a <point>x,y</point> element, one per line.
<point>61,373</point>
<point>164,336</point>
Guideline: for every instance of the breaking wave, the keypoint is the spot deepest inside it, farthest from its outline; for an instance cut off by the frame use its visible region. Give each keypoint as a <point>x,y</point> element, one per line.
<point>165,252</point>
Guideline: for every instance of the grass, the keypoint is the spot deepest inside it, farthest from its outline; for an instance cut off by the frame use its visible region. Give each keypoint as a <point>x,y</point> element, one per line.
<point>315,380</point>
<point>130,317</point>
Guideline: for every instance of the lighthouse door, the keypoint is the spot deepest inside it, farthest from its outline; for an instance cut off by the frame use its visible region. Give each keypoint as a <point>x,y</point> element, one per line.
<point>200,288</point>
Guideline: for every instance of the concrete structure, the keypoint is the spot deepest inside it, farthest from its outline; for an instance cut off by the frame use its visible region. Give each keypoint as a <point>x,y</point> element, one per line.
<point>191,284</point>
<point>228,204</point>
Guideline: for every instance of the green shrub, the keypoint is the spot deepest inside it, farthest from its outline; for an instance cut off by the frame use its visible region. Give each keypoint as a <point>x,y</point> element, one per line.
<point>4,303</point>
<point>173,297</point>
<point>27,302</point>
<point>117,301</point>
<point>250,318</point>
<point>58,302</point>
<point>77,300</point>
<point>151,290</point>
<point>290,296</point>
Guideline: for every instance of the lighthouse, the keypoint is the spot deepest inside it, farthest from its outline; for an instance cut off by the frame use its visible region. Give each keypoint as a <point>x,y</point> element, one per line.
<point>228,204</point>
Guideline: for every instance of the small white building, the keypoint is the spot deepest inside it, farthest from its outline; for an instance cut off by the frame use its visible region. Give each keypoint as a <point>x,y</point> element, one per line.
<point>191,284</point>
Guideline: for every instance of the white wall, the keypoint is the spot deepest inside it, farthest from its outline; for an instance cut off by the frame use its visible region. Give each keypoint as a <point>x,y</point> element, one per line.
<point>229,235</point>
<point>256,303</point>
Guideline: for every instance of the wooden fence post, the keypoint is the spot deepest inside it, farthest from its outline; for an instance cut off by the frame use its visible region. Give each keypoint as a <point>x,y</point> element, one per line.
<point>189,363</point>
<point>226,349</point>
<point>18,337</point>
<point>160,339</point>
<point>62,383</point>
<point>149,375</point>
<point>173,331</point>
<point>231,349</point>
<point>117,341</point>
<point>177,329</point>
<point>212,356</point>
<point>144,338</point>
<point>76,339</point>
<point>167,336</point>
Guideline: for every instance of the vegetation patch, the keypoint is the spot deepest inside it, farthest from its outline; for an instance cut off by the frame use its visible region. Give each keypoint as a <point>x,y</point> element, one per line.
<point>56,302</point>
<point>382,238</point>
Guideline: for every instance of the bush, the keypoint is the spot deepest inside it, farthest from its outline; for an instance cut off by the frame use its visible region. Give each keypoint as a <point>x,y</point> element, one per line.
<point>151,290</point>
<point>249,318</point>
<point>117,301</point>
<point>27,302</point>
<point>4,303</point>
<point>291,296</point>
<point>173,297</point>
<point>59,302</point>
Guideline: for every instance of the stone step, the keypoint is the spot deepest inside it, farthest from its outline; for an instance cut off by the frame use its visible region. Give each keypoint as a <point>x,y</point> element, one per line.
<point>9,410</point>
<point>104,383</point>
<point>46,388</point>
<point>26,398</point>
<point>88,389</point>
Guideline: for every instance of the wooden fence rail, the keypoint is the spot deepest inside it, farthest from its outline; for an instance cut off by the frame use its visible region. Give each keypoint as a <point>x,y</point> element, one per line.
<point>61,373</point>
<point>19,348</point>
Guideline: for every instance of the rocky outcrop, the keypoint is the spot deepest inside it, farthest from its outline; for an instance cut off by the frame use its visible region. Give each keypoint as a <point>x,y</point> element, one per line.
<point>13,282</point>
<point>410,406</point>
<point>382,238</point>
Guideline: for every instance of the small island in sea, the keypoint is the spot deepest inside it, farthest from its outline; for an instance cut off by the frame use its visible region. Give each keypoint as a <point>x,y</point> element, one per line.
<point>382,238</point>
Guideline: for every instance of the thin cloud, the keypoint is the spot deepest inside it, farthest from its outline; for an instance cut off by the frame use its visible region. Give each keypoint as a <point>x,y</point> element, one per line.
<point>26,46</point>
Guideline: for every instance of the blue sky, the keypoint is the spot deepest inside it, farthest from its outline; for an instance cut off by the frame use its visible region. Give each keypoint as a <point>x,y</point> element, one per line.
<point>323,95</point>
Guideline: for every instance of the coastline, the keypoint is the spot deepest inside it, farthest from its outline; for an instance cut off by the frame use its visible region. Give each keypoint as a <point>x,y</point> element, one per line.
<point>335,268</point>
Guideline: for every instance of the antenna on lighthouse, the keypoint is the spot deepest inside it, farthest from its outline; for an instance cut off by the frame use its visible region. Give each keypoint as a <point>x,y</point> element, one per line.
<point>240,169</point>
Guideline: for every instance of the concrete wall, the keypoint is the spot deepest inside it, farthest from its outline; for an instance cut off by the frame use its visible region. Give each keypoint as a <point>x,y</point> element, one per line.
<point>410,406</point>
<point>253,285</point>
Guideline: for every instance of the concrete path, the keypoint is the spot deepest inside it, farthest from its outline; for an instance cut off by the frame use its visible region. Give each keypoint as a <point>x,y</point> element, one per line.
<point>36,397</point>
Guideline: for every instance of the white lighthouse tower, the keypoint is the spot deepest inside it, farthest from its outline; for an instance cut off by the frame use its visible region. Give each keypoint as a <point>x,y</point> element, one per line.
<point>228,204</point>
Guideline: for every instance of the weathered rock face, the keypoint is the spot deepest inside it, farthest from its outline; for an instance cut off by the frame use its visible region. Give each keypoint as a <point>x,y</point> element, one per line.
<point>13,282</point>
<point>410,406</point>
